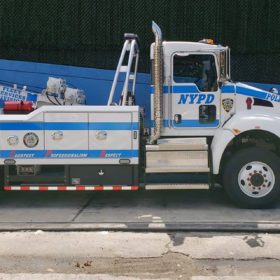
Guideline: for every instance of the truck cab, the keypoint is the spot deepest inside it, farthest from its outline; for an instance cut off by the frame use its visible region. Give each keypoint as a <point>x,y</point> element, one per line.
<point>193,75</point>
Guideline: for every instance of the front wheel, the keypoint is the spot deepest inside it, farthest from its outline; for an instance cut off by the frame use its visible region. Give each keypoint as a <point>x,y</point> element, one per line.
<point>251,178</point>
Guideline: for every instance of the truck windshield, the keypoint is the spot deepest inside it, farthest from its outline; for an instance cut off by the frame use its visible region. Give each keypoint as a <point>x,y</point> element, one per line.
<point>196,68</point>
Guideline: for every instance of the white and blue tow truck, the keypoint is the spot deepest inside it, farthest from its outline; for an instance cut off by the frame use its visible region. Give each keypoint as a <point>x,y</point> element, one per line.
<point>202,123</point>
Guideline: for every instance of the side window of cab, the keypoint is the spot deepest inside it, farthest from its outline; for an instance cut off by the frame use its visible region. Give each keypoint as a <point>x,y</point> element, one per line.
<point>199,69</point>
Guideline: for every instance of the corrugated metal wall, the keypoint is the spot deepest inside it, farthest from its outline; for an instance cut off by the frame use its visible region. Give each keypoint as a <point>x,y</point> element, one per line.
<point>89,32</point>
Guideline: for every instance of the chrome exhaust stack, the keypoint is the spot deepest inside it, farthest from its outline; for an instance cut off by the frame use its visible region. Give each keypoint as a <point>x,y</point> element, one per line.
<point>158,83</point>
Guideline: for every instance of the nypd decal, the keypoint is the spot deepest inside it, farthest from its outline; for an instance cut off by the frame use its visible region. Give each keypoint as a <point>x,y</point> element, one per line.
<point>196,98</point>
<point>227,104</point>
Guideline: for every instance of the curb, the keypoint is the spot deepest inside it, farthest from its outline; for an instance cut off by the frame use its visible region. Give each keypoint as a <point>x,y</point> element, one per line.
<point>267,227</point>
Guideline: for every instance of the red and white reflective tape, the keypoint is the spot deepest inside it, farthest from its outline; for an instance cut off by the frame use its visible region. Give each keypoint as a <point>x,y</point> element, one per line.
<point>71,188</point>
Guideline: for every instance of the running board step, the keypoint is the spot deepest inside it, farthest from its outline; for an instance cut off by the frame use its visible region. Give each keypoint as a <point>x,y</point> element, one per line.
<point>177,155</point>
<point>179,144</point>
<point>177,187</point>
<point>177,169</point>
<point>176,161</point>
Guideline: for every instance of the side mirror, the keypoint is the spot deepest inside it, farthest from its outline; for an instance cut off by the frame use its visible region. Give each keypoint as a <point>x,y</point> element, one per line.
<point>274,90</point>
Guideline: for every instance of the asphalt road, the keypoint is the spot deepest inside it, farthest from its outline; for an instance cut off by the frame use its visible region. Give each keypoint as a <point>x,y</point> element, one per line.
<point>150,210</point>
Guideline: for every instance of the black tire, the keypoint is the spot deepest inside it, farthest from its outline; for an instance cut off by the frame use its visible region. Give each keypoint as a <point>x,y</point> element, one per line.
<point>235,164</point>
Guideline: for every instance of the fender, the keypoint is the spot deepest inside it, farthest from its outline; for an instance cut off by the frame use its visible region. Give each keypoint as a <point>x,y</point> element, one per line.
<point>261,120</point>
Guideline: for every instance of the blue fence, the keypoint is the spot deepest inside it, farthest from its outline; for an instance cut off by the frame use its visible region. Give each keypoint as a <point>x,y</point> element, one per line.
<point>96,83</point>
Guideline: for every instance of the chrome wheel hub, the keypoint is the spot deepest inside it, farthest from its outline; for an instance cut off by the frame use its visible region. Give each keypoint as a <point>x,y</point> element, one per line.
<point>256,179</point>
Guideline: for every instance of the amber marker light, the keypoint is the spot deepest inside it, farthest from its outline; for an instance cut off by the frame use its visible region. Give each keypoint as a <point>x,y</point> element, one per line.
<point>236,131</point>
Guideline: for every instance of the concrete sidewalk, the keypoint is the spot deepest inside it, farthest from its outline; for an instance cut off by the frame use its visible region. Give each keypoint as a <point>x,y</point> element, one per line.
<point>139,245</point>
<point>116,255</point>
<point>25,276</point>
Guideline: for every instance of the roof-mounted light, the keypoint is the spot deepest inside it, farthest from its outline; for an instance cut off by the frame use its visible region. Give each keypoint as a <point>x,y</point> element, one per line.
<point>207,41</point>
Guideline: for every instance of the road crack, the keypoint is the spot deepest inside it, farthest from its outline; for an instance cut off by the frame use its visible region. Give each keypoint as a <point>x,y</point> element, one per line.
<point>83,208</point>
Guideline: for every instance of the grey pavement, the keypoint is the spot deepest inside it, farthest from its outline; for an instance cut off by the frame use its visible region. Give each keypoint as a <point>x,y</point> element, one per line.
<point>126,255</point>
<point>150,210</point>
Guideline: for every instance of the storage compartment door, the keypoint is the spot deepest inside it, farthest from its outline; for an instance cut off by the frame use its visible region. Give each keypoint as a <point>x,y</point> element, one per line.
<point>110,135</point>
<point>66,135</point>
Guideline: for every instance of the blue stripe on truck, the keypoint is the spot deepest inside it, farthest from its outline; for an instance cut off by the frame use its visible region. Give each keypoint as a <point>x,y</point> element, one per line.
<point>69,126</point>
<point>187,123</point>
<point>21,126</point>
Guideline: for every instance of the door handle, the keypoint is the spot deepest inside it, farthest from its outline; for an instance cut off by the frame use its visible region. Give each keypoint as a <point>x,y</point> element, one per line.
<point>101,135</point>
<point>177,118</point>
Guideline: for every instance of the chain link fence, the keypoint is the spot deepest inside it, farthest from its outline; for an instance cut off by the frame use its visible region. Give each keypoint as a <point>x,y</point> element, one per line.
<point>90,32</point>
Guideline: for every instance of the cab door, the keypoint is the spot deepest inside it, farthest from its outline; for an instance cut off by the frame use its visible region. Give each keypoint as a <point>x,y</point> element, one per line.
<point>195,95</point>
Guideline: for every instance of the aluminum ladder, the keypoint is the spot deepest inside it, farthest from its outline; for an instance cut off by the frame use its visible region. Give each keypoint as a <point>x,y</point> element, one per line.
<point>130,48</point>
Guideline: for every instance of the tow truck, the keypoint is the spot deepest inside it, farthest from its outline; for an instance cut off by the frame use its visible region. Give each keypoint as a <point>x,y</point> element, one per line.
<point>205,130</point>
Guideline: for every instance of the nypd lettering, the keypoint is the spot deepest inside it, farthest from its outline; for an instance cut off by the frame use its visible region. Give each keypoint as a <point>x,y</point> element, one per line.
<point>196,98</point>
<point>273,97</point>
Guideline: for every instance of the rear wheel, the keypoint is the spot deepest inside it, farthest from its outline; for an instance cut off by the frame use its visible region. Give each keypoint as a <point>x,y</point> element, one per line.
<point>251,178</point>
